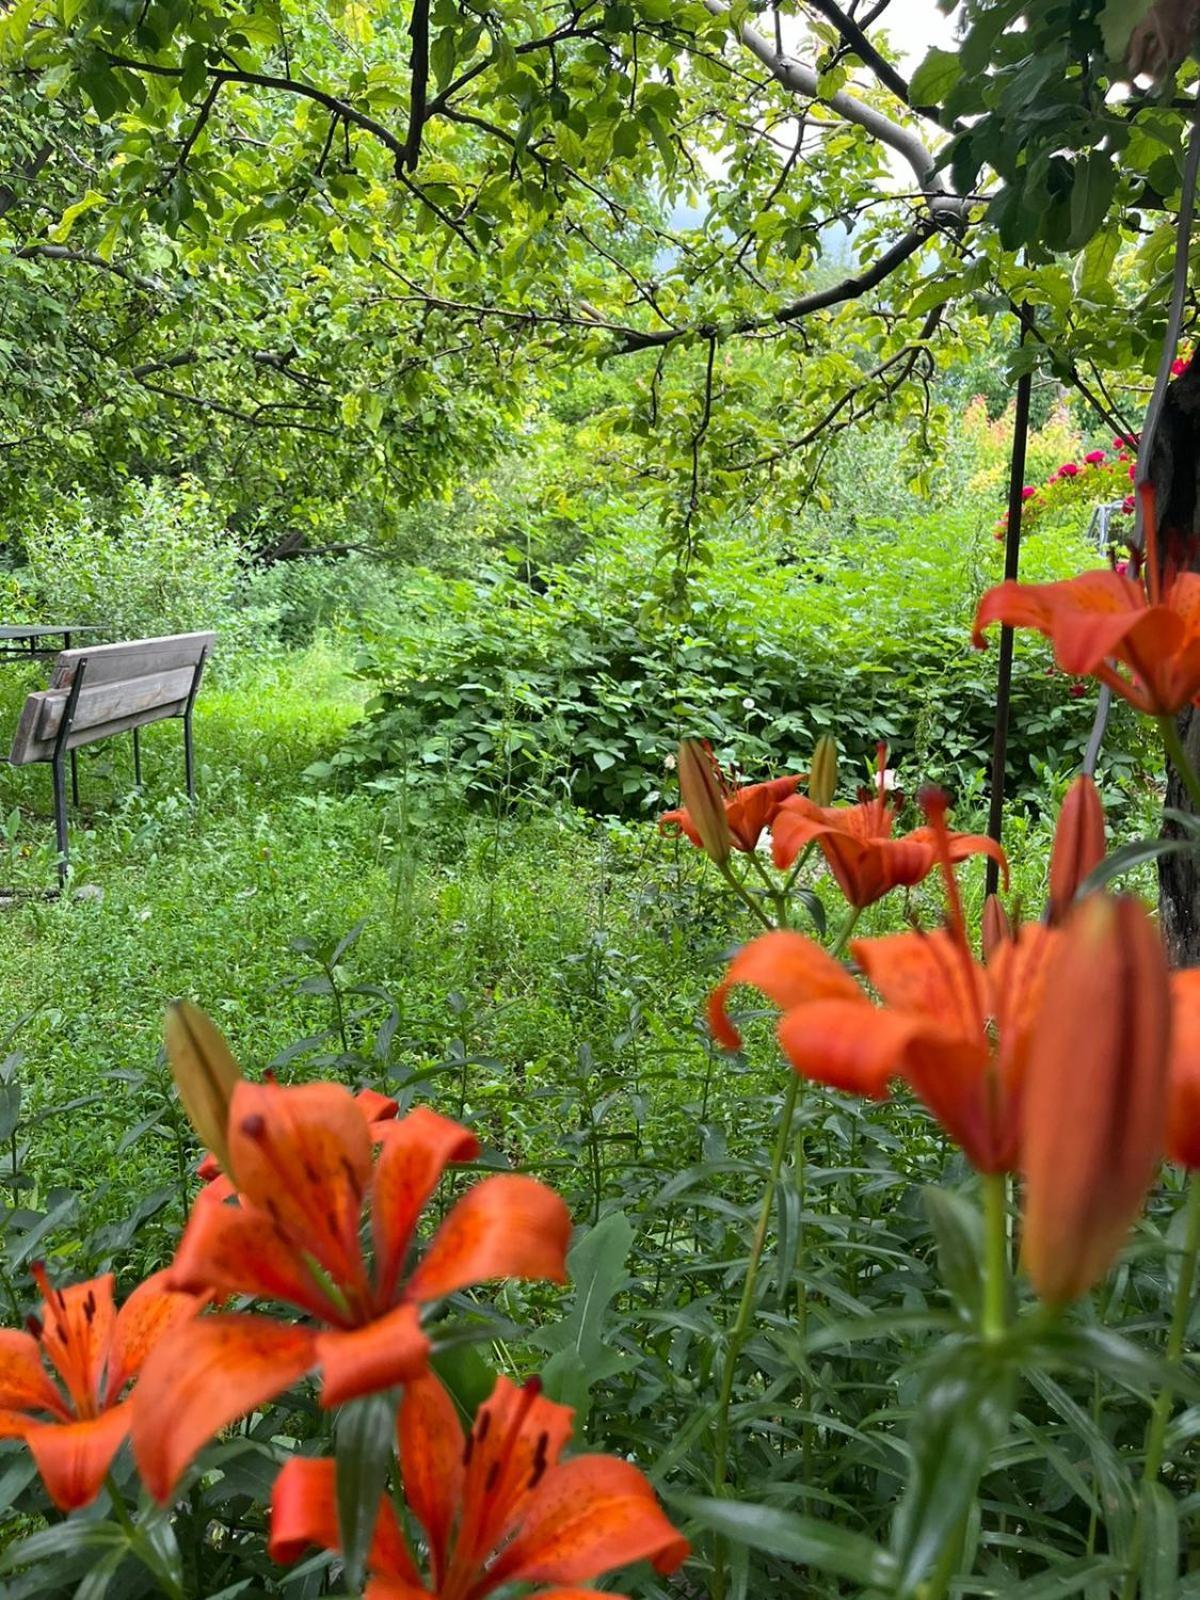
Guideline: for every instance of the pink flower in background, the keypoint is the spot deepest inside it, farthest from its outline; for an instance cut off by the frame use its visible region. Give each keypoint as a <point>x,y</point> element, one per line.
<point>1121,567</point>
<point>1125,441</point>
<point>1028,492</point>
<point>1067,470</point>
<point>1133,469</point>
<point>1094,457</point>
<point>1179,366</point>
<point>1127,504</point>
<point>1077,691</point>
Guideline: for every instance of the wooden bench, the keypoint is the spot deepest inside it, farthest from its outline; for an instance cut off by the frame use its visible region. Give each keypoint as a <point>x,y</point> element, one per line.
<point>100,690</point>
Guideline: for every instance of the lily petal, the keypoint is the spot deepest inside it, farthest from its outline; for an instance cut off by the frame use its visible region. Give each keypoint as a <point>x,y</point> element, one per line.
<point>593,1513</point>
<point>24,1383</point>
<point>73,1457</point>
<point>234,1249</point>
<point>789,969</point>
<point>379,1355</point>
<point>304,1513</point>
<point>1183,1118</point>
<point>206,1375</point>
<point>303,1156</point>
<point>416,1151</point>
<point>508,1226</point>
<point>77,1324</point>
<point>432,1441</point>
<point>148,1315</point>
<point>848,1045</point>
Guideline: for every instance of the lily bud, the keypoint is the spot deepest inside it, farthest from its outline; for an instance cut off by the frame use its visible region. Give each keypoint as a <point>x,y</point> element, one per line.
<point>703,801</point>
<point>205,1074</point>
<point>1095,1099</point>
<point>997,929</point>
<point>1079,844</point>
<point>823,771</point>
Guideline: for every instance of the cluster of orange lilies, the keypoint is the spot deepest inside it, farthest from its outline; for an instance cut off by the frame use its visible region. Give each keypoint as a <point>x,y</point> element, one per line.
<point>299,1178</point>
<point>1065,1051</point>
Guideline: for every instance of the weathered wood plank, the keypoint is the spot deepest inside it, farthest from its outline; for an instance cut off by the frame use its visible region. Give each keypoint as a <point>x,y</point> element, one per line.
<point>133,658</point>
<point>124,686</point>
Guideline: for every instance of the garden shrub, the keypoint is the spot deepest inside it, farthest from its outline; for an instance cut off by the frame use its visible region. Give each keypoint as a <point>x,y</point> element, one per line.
<point>584,688</point>
<point>162,563</point>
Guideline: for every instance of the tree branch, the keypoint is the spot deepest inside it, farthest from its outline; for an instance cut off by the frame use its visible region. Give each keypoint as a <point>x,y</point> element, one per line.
<point>418,29</point>
<point>798,78</point>
<point>88,258</point>
<point>28,171</point>
<point>853,36</point>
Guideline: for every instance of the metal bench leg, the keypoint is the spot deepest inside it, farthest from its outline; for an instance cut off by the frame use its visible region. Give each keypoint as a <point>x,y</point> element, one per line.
<point>137,760</point>
<point>74,779</point>
<point>189,763</point>
<point>60,786</point>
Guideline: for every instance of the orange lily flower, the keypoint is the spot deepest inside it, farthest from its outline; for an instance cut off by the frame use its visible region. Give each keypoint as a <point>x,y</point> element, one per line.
<point>303,1173</point>
<point>956,1030</point>
<point>379,1110</point>
<point>1094,1115</point>
<point>1102,622</point>
<point>498,1506</point>
<point>75,1430</point>
<point>748,810</point>
<point>857,844</point>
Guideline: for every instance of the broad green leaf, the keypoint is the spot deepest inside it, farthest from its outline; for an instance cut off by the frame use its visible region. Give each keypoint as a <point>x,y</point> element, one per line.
<point>933,80</point>
<point>805,1540</point>
<point>363,1451</point>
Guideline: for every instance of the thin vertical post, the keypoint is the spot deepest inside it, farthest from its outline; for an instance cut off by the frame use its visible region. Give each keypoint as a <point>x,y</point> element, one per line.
<point>137,760</point>
<point>1012,557</point>
<point>188,757</point>
<point>60,783</point>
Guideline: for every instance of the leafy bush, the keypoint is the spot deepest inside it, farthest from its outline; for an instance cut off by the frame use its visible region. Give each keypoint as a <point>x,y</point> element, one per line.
<point>164,564</point>
<point>313,593</point>
<point>585,688</point>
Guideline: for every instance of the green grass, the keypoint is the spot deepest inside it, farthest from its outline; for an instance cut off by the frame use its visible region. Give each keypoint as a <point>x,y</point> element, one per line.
<point>539,972</point>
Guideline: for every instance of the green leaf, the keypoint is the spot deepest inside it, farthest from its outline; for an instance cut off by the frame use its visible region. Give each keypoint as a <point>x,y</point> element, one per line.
<point>580,1356</point>
<point>1091,194</point>
<point>959,1418</point>
<point>934,79</point>
<point>958,1232</point>
<point>71,215</point>
<point>363,1450</point>
<point>1098,259</point>
<point>804,1540</point>
<point>1072,1577</point>
<point>1160,1544</point>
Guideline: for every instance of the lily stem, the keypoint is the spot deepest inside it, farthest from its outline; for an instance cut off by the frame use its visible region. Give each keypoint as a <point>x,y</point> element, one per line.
<point>740,1331</point>
<point>741,1326</point>
<point>1160,1415</point>
<point>139,1545</point>
<point>1177,755</point>
<point>748,900</point>
<point>995,1258</point>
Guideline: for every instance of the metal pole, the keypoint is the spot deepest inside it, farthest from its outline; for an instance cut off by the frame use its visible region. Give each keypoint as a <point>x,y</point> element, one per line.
<point>1012,557</point>
<point>137,760</point>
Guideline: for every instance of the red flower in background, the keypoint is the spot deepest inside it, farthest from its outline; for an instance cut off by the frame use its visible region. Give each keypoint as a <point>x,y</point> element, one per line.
<point>303,1174</point>
<point>1094,457</point>
<point>1028,492</point>
<point>498,1506</point>
<point>1067,470</point>
<point>75,1430</point>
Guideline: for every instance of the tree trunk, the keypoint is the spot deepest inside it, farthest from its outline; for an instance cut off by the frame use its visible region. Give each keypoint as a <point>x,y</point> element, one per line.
<point>1179,874</point>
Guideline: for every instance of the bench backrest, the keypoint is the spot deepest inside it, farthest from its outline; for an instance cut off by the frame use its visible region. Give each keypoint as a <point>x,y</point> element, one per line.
<point>124,686</point>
